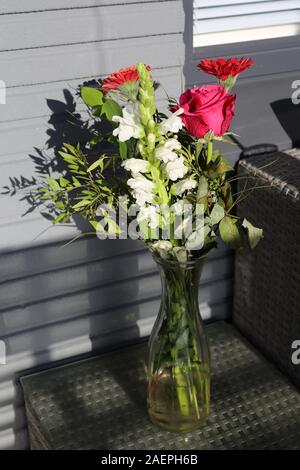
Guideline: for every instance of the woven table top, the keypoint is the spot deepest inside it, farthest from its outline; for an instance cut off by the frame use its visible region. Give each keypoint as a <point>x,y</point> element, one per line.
<point>100,403</point>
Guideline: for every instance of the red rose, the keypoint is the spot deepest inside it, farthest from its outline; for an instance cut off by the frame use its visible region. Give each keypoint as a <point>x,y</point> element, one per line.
<point>206,108</point>
<point>117,79</point>
<point>222,68</point>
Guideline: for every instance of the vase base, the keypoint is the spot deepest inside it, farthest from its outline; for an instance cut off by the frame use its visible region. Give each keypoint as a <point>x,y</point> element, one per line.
<point>176,425</point>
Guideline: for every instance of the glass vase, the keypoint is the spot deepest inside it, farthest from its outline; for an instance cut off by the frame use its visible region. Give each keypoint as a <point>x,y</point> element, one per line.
<point>179,364</point>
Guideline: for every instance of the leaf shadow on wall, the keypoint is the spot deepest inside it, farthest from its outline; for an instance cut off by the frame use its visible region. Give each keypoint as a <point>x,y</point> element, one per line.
<point>100,299</point>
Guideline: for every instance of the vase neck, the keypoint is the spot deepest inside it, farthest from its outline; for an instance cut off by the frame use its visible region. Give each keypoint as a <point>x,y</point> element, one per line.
<point>180,284</point>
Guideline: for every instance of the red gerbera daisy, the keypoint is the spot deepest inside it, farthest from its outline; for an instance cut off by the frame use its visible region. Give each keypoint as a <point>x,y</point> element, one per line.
<point>222,68</point>
<point>117,79</point>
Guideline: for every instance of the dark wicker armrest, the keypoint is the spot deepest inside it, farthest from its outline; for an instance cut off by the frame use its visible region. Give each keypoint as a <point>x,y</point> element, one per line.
<point>267,280</point>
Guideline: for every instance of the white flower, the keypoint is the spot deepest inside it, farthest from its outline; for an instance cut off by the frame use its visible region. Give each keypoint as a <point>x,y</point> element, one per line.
<point>150,214</point>
<point>135,165</point>
<point>181,254</point>
<point>180,207</point>
<point>165,153</point>
<point>141,189</point>
<point>129,125</point>
<point>172,144</point>
<point>142,197</point>
<point>176,169</point>
<point>172,123</point>
<point>162,247</point>
<point>185,185</point>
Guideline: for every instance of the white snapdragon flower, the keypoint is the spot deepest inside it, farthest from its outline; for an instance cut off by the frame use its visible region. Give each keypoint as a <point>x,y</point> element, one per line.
<point>142,197</point>
<point>141,189</point>
<point>166,153</point>
<point>129,125</point>
<point>135,165</point>
<point>185,185</point>
<point>172,144</point>
<point>176,169</point>
<point>173,123</point>
<point>150,214</point>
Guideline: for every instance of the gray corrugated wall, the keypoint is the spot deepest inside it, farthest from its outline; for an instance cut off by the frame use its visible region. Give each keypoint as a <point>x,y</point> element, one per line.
<point>56,302</point>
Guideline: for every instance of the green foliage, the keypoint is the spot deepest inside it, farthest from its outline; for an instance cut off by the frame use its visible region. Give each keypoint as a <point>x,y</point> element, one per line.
<point>110,108</point>
<point>91,96</point>
<point>254,233</point>
<point>217,214</point>
<point>229,232</point>
<point>93,179</point>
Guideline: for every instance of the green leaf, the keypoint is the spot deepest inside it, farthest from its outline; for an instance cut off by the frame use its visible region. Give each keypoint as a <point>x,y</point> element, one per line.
<point>219,167</point>
<point>202,188</point>
<point>60,218</point>
<point>110,108</point>
<point>224,166</point>
<point>123,150</point>
<point>71,149</point>
<point>53,184</point>
<point>113,227</point>
<point>80,204</point>
<point>226,195</point>
<point>229,232</point>
<point>182,340</point>
<point>76,183</point>
<point>63,182</point>
<point>255,234</point>
<point>68,158</point>
<point>96,164</point>
<point>91,96</point>
<point>94,224</point>
<point>217,214</point>
<point>199,147</point>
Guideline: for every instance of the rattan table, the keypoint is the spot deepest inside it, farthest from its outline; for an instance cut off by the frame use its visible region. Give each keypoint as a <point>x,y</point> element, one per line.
<point>99,403</point>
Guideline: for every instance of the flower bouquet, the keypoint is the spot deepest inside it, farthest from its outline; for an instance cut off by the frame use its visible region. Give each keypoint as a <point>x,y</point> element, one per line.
<point>144,174</point>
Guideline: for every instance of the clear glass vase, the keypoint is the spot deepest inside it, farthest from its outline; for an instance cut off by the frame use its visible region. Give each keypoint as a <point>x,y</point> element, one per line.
<point>179,364</point>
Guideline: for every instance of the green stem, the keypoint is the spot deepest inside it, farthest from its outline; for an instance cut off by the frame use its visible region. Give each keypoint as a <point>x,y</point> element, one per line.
<point>209,152</point>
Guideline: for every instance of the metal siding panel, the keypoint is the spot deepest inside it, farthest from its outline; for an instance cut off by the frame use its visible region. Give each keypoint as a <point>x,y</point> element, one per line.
<point>15,6</point>
<point>32,101</point>
<point>89,25</point>
<point>80,60</point>
<point>60,294</point>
